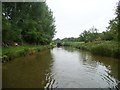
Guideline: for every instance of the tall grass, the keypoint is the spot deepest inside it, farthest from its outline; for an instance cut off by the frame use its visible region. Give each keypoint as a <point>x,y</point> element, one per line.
<point>103,48</point>
<point>13,52</point>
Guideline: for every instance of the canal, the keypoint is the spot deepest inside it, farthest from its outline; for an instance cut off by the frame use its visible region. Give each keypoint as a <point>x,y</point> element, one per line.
<point>62,67</point>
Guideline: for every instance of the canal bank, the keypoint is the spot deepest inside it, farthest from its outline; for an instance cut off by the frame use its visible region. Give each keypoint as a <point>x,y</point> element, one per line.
<point>63,67</point>
<point>10,53</point>
<point>102,48</point>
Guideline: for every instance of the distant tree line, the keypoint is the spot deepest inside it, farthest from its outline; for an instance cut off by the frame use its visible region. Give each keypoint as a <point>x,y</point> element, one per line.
<point>27,22</point>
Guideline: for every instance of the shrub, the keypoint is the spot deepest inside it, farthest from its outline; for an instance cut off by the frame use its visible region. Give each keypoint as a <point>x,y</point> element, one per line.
<point>116,52</point>
<point>101,49</point>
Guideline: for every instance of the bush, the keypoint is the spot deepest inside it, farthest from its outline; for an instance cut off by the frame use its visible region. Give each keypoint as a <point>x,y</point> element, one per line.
<point>116,52</point>
<point>101,50</point>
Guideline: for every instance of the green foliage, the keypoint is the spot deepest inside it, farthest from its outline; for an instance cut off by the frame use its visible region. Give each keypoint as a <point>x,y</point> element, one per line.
<point>103,48</point>
<point>13,52</point>
<point>113,30</point>
<point>118,19</point>
<point>89,36</point>
<point>116,52</point>
<point>107,36</point>
<point>71,39</point>
<point>29,22</point>
<point>112,33</point>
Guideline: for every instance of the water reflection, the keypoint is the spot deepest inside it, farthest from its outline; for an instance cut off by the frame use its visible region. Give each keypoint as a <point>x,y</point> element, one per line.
<point>106,67</point>
<point>27,72</point>
<point>61,68</point>
<point>83,70</point>
<point>111,64</point>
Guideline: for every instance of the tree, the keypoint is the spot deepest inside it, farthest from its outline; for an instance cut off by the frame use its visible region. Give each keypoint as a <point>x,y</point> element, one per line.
<point>113,30</point>
<point>118,17</point>
<point>89,36</point>
<point>29,22</point>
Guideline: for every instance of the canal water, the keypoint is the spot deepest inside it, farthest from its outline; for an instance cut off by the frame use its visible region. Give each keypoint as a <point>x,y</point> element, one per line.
<point>61,68</point>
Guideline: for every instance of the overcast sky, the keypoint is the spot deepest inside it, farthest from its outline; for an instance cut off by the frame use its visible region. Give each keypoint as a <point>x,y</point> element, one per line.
<point>74,16</point>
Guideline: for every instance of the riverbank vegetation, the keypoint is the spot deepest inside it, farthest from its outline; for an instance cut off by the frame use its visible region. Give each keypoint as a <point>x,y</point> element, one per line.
<point>27,27</point>
<point>103,48</point>
<point>13,52</point>
<point>106,43</point>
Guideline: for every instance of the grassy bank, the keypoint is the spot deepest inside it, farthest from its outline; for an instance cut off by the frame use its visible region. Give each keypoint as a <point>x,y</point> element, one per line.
<point>9,53</point>
<point>103,48</point>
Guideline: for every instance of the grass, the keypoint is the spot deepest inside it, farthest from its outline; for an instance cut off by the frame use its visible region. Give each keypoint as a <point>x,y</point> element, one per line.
<point>103,48</point>
<point>9,53</point>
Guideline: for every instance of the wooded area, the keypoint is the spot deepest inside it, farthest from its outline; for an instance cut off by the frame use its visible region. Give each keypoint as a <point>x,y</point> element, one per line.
<point>27,22</point>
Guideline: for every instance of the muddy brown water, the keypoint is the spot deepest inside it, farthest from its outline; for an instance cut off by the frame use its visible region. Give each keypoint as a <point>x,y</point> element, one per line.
<point>61,68</point>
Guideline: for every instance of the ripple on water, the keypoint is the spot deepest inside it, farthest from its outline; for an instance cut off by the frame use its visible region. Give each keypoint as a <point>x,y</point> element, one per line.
<point>50,81</point>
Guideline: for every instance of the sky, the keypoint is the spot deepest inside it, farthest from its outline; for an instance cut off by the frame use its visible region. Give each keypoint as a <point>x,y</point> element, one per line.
<point>72,17</point>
